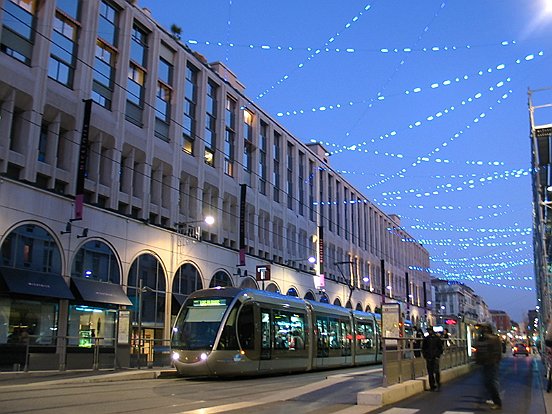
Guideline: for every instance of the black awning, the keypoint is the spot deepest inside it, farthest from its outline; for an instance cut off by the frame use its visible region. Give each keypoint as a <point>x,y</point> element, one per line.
<point>99,292</point>
<point>180,298</point>
<point>29,282</point>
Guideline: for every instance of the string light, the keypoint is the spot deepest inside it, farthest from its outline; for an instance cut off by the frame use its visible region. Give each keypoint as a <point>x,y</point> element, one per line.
<point>316,51</point>
<point>350,50</point>
<point>434,85</point>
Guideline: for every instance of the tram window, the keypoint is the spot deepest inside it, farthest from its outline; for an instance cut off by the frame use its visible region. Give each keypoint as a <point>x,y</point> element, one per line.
<point>246,328</point>
<point>365,336</point>
<point>228,339</point>
<point>266,339</point>
<point>289,330</point>
<point>323,337</point>
<point>346,337</point>
<point>334,336</point>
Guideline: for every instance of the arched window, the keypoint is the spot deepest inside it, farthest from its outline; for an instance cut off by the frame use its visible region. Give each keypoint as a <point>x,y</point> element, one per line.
<point>146,268</point>
<point>368,308</point>
<point>186,281</point>
<point>349,305</point>
<point>221,279</point>
<point>95,260</point>
<point>310,296</point>
<point>272,287</point>
<point>359,307</point>
<point>324,298</point>
<point>249,282</point>
<point>31,247</point>
<point>337,302</point>
<point>292,292</point>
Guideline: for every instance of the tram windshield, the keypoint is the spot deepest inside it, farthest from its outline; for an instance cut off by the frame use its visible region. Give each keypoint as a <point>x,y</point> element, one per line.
<point>198,323</point>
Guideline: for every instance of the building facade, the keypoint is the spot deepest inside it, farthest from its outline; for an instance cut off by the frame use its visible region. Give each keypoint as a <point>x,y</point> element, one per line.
<point>541,166</point>
<point>116,140</point>
<point>456,304</point>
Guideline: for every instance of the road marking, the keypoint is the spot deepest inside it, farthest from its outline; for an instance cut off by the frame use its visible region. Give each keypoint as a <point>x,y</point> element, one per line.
<point>279,396</point>
<point>401,411</point>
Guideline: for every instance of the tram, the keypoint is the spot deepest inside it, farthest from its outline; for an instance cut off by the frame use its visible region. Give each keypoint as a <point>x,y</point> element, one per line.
<point>228,331</point>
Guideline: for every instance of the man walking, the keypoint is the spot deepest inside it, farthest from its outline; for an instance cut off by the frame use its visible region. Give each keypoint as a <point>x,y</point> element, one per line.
<point>432,348</point>
<point>488,355</point>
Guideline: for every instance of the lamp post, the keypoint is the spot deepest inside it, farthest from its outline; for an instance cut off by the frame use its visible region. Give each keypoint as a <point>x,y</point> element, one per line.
<point>141,290</point>
<point>351,285</point>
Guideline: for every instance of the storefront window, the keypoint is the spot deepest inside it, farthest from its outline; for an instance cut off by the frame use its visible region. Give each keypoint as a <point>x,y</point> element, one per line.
<point>27,321</point>
<point>86,324</point>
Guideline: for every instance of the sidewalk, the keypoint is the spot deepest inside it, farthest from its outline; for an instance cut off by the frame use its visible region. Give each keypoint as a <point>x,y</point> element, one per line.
<point>82,376</point>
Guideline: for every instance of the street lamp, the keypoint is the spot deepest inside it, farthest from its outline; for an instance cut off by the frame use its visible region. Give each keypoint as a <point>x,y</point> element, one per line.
<point>291,262</point>
<point>193,231</point>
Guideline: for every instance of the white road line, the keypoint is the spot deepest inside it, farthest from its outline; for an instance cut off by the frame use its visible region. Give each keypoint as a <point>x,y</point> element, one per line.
<point>401,411</point>
<point>279,396</point>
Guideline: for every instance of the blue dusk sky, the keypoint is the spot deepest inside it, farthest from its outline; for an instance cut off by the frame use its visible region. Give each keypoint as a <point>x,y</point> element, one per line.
<point>423,106</point>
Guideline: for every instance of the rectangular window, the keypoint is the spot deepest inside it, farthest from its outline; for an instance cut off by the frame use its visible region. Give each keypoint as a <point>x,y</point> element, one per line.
<point>69,7</point>
<point>107,23</point>
<point>210,124</point>
<point>136,75</point>
<point>43,143</point>
<point>189,116</point>
<point>229,138</point>
<point>276,166</point>
<point>301,183</point>
<point>263,167</point>
<point>105,56</point>
<point>330,204</point>
<point>312,177</point>
<point>18,29</point>
<point>290,172</point>
<point>63,50</point>
<point>247,140</point>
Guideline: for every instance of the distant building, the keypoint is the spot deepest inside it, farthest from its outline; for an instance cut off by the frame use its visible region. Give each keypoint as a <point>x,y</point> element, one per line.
<point>501,320</point>
<point>455,302</point>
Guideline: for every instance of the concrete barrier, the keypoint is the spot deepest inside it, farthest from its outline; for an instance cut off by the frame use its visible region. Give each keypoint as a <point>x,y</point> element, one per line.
<point>380,396</point>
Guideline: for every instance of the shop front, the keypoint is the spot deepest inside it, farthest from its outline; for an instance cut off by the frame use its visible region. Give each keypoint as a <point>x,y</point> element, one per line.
<point>93,325</point>
<point>30,305</point>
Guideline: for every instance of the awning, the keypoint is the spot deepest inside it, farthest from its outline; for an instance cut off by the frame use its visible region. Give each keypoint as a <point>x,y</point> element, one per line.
<point>100,292</point>
<point>180,298</point>
<point>29,282</point>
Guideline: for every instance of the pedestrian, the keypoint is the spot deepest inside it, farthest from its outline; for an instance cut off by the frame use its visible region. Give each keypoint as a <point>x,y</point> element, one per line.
<point>488,355</point>
<point>432,349</point>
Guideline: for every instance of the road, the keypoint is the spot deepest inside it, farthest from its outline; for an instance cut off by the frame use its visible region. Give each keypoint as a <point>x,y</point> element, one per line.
<point>320,392</point>
<point>521,392</point>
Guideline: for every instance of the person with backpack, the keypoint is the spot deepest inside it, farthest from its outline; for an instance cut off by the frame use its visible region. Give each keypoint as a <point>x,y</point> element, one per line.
<point>488,355</point>
<point>432,349</point>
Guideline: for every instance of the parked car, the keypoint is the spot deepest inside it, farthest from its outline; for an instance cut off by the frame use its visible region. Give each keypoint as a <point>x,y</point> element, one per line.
<point>521,349</point>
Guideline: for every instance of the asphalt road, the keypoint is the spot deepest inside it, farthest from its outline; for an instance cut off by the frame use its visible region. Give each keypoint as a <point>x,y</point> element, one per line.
<point>320,392</point>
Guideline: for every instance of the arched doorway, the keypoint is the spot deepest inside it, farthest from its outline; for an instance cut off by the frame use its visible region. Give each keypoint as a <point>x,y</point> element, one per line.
<point>324,298</point>
<point>148,318</point>
<point>337,302</point>
<point>358,307</point>
<point>310,296</point>
<point>272,287</point>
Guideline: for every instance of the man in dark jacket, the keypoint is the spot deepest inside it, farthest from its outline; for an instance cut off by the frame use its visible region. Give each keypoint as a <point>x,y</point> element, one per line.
<point>488,355</point>
<point>432,348</point>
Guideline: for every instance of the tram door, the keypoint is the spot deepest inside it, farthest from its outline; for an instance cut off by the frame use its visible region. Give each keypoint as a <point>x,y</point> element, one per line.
<point>248,326</point>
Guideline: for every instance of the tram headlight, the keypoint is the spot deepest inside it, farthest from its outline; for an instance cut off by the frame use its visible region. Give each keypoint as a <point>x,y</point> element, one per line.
<point>175,356</point>
<point>203,357</point>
